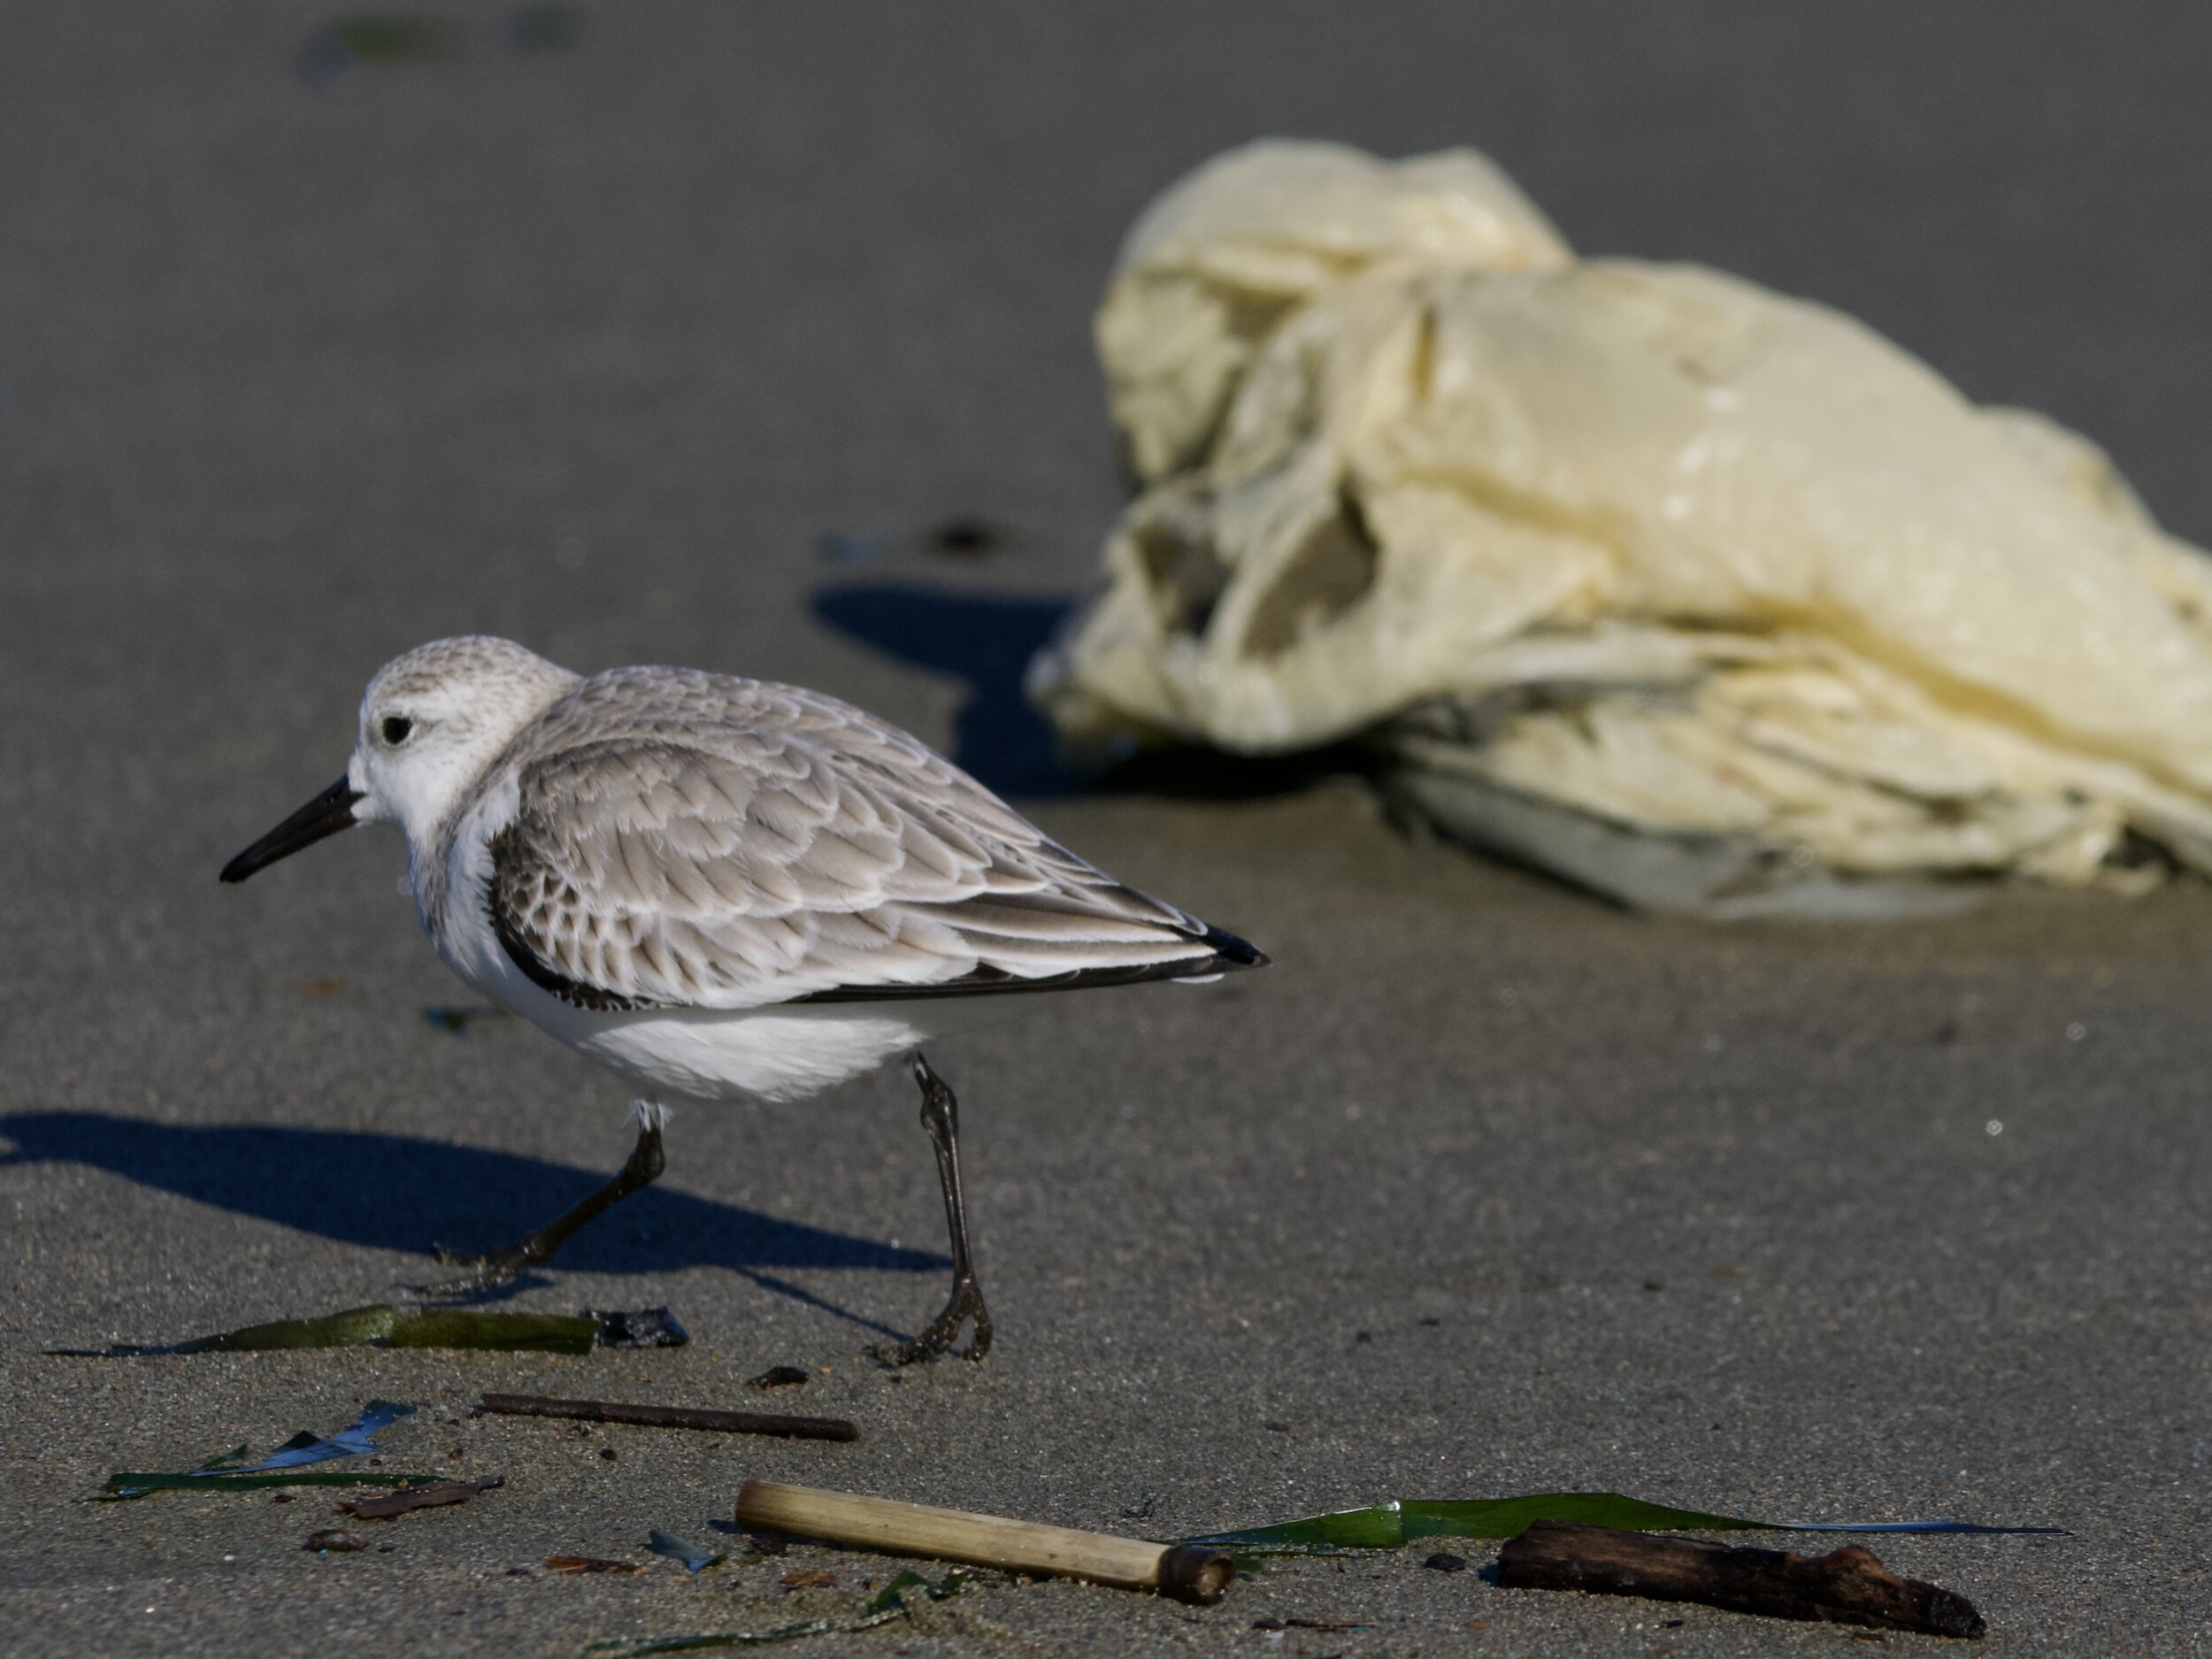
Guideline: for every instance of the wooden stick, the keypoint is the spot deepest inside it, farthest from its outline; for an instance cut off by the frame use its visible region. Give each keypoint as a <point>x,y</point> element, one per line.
<point>1186,1571</point>
<point>673,1417</point>
<point>1847,1587</point>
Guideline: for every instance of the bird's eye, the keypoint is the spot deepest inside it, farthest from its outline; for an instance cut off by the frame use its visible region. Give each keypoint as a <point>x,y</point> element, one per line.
<point>396,727</point>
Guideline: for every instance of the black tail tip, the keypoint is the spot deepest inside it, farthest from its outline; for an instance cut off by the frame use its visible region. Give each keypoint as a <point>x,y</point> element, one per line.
<point>1235,952</point>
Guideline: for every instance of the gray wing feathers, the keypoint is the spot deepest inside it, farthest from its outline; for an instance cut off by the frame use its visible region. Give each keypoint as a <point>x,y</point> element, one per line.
<point>687,839</point>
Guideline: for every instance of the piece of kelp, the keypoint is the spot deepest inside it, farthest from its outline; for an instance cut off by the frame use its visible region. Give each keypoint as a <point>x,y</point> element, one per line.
<point>457,1018</point>
<point>1400,1522</point>
<point>384,1325</point>
<point>375,42</point>
<point>226,1472</point>
<point>645,1327</point>
<point>437,1495</point>
<point>543,28</point>
<point>897,1599</point>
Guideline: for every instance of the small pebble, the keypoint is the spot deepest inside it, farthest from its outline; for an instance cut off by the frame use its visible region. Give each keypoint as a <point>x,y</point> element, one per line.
<point>963,534</point>
<point>332,1539</point>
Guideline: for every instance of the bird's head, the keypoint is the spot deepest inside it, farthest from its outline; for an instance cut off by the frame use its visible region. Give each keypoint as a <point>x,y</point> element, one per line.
<point>431,721</point>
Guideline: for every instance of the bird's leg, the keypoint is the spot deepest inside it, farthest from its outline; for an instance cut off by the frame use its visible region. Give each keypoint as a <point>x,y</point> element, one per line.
<point>940,1116</point>
<point>497,1267</point>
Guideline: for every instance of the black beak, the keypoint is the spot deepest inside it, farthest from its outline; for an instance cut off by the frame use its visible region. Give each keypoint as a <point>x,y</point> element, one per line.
<point>326,814</point>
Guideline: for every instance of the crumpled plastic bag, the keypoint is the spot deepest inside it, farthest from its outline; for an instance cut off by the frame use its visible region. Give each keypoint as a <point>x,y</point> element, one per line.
<point>1709,599</point>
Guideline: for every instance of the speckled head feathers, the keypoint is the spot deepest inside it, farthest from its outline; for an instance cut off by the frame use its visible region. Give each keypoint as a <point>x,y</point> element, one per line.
<point>434,717</point>
<point>473,665</point>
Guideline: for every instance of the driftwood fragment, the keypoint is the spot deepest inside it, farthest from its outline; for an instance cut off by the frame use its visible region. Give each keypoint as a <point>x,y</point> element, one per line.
<point>1847,1587</point>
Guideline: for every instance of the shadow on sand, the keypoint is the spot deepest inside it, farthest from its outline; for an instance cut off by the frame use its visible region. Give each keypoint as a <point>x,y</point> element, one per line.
<point>987,640</point>
<point>398,1193</point>
<point>999,739</point>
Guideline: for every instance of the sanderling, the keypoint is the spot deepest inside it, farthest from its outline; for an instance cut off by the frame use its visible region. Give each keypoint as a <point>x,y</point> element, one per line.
<point>723,889</point>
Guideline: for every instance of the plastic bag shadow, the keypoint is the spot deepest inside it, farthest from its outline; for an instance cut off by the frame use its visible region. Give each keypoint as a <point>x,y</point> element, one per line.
<point>400,1193</point>
<point>999,737</point>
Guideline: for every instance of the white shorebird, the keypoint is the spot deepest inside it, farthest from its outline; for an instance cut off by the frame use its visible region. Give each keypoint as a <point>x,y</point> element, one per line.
<point>720,888</point>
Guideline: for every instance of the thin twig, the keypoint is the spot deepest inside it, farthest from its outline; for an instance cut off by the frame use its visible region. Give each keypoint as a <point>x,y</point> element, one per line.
<point>673,1417</point>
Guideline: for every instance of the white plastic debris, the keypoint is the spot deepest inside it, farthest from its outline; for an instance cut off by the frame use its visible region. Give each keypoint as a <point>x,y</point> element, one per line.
<point>1713,600</point>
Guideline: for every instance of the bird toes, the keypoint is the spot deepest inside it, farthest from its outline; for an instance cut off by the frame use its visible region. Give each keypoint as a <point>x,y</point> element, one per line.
<point>501,1267</point>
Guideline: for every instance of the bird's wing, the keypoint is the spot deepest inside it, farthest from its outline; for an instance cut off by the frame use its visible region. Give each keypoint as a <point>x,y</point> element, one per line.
<point>778,845</point>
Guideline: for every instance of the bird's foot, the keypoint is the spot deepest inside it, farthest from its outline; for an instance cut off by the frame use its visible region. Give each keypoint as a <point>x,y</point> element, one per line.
<point>491,1270</point>
<point>944,1330</point>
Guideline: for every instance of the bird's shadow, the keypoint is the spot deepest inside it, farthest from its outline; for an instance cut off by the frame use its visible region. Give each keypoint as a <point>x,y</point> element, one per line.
<point>987,640</point>
<point>401,1193</point>
<point>999,738</point>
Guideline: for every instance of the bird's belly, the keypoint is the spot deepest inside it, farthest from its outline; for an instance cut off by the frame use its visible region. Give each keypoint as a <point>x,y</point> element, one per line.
<point>785,1051</point>
<point>768,1054</point>
<point>777,1053</point>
